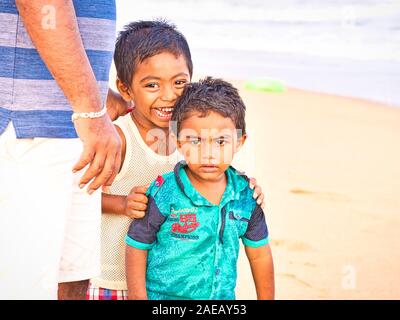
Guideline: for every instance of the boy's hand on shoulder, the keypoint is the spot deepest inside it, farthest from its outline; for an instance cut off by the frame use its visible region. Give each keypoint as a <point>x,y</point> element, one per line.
<point>136,202</point>
<point>258,194</point>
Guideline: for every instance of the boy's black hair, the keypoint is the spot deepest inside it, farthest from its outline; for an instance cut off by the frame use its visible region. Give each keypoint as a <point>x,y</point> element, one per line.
<point>143,39</point>
<point>208,95</point>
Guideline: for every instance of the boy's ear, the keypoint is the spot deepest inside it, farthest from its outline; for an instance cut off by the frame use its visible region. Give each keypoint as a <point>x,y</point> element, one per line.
<point>240,142</point>
<point>124,90</point>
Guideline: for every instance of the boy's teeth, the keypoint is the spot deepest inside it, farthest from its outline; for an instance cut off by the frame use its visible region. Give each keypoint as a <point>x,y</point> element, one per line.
<point>164,112</point>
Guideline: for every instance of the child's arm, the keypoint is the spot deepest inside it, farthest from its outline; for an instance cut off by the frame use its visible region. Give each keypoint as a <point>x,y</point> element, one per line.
<point>141,237</point>
<point>133,205</point>
<point>135,261</point>
<point>112,203</point>
<point>262,268</point>
<point>258,251</point>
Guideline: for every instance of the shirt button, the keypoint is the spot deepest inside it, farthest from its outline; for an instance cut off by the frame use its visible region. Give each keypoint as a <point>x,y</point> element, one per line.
<point>217,272</point>
<point>237,216</point>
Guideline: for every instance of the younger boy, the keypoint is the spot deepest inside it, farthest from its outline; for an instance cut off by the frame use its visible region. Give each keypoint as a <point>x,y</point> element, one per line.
<point>186,246</point>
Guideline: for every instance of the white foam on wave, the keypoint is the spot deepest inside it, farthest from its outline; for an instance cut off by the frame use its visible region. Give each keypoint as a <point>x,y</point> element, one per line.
<point>361,30</point>
<point>274,11</point>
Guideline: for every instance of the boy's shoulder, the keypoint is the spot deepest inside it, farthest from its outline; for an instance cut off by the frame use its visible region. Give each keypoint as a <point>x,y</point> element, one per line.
<point>244,194</point>
<point>122,121</point>
<point>162,184</point>
<point>162,190</point>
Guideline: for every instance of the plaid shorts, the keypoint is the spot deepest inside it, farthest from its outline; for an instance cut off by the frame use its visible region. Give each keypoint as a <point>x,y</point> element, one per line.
<point>105,294</point>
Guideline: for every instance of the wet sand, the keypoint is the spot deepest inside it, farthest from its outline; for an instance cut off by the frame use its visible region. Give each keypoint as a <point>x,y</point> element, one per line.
<point>330,169</point>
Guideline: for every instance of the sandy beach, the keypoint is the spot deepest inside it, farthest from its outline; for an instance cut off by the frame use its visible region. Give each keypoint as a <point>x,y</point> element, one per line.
<point>330,169</point>
<point>329,165</point>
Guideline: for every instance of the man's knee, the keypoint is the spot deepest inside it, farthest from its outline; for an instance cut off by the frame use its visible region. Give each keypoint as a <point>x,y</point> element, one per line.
<point>73,290</point>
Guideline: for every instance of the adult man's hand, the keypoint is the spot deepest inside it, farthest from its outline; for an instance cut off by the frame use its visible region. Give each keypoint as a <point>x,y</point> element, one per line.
<point>102,150</point>
<point>61,49</point>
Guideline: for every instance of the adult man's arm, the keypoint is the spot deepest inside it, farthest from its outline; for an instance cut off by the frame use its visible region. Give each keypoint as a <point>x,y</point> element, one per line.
<point>62,51</point>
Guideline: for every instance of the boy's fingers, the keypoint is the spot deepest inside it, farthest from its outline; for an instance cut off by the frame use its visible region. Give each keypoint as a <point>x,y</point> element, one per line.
<point>133,205</point>
<point>136,214</point>
<point>140,189</point>
<point>260,199</point>
<point>138,197</point>
<point>257,192</point>
<point>252,183</point>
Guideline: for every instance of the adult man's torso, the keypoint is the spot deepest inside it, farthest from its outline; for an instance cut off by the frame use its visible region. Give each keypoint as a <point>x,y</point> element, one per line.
<point>29,95</point>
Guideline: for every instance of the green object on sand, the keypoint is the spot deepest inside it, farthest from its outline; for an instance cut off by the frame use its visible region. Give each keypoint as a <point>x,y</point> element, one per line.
<point>265,85</point>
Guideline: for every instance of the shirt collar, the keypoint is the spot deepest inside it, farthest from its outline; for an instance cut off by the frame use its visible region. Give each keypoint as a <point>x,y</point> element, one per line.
<point>236,182</point>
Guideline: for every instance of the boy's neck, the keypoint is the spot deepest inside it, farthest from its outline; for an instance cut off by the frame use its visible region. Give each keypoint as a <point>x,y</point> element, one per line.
<point>212,190</point>
<point>164,146</point>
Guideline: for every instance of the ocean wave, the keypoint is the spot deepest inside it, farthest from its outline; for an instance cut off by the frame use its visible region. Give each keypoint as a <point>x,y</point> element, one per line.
<point>268,11</point>
<point>363,30</point>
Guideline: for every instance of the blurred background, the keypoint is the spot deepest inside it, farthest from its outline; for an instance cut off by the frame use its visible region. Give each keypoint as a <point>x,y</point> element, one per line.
<point>326,150</point>
<point>345,47</point>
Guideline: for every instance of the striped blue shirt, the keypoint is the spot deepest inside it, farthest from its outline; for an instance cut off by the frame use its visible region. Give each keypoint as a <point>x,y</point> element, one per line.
<point>29,95</point>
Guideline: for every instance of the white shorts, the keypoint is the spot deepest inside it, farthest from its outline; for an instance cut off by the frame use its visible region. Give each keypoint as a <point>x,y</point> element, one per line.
<point>49,228</point>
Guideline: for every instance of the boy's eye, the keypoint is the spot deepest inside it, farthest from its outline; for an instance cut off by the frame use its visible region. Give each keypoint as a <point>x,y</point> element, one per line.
<point>180,83</point>
<point>220,142</point>
<point>194,142</point>
<point>152,85</point>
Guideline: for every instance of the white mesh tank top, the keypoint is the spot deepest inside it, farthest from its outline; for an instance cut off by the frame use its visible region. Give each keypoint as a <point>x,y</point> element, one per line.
<point>141,166</point>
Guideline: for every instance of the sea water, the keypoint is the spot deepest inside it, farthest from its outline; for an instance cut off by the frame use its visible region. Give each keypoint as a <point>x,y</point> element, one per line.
<point>350,48</point>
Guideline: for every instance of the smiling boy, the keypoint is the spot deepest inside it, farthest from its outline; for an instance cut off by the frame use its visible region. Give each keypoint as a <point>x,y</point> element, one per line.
<point>186,246</point>
<point>153,64</point>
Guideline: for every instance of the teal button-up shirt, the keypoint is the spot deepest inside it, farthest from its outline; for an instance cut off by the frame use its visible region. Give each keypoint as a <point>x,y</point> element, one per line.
<point>193,245</point>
